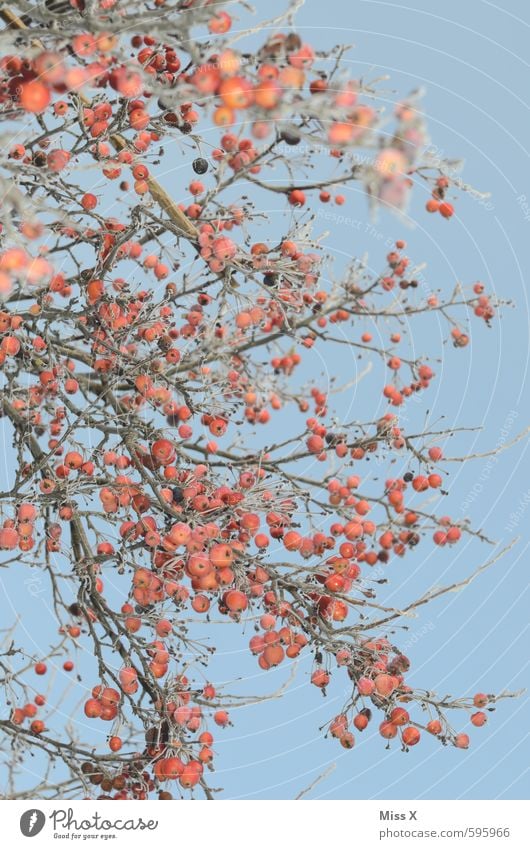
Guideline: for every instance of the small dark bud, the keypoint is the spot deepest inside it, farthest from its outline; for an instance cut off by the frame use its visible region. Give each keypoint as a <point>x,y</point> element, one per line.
<point>290,138</point>
<point>200,165</point>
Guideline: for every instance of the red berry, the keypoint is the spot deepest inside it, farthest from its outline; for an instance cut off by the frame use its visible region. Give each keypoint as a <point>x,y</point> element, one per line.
<point>462,741</point>
<point>89,201</point>
<point>411,736</point>
<point>446,210</point>
<point>388,730</point>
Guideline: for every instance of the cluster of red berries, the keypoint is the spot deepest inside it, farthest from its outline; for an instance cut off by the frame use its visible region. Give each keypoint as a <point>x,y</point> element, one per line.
<point>273,646</point>
<point>29,711</point>
<point>437,202</point>
<point>20,532</point>
<point>382,682</point>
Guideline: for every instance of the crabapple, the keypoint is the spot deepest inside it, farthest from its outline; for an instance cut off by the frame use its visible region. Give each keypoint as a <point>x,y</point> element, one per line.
<point>388,730</point>
<point>384,685</point>
<point>34,96</point>
<point>462,741</point>
<point>89,201</point>
<point>347,740</point>
<point>320,678</point>
<point>360,721</point>
<point>399,716</point>
<point>446,210</point>
<point>410,736</point>
<point>221,718</point>
<point>93,708</point>
<point>365,686</point>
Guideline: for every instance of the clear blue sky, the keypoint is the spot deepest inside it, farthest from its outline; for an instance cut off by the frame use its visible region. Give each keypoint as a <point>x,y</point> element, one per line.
<point>470,58</point>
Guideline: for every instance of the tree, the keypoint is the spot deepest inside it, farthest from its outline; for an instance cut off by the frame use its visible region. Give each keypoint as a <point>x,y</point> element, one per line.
<point>175,456</point>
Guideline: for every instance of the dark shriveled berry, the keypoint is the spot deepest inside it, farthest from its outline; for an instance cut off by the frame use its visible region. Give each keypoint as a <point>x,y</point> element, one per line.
<point>200,165</point>
<point>291,138</point>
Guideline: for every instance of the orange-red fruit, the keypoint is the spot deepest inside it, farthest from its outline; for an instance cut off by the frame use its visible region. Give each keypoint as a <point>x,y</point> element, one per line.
<point>347,740</point>
<point>172,768</point>
<point>115,744</point>
<point>191,774</point>
<point>221,555</point>
<point>89,201</point>
<point>360,721</point>
<point>274,655</point>
<point>388,730</point>
<point>365,686</point>
<point>384,685</point>
<point>34,96</point>
<point>163,452</point>
<point>92,708</point>
<point>236,601</point>
<point>399,716</point>
<point>221,718</point>
<point>446,210</point>
<point>320,678</point>
<point>127,676</point>
<point>8,539</point>
<point>339,725</point>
